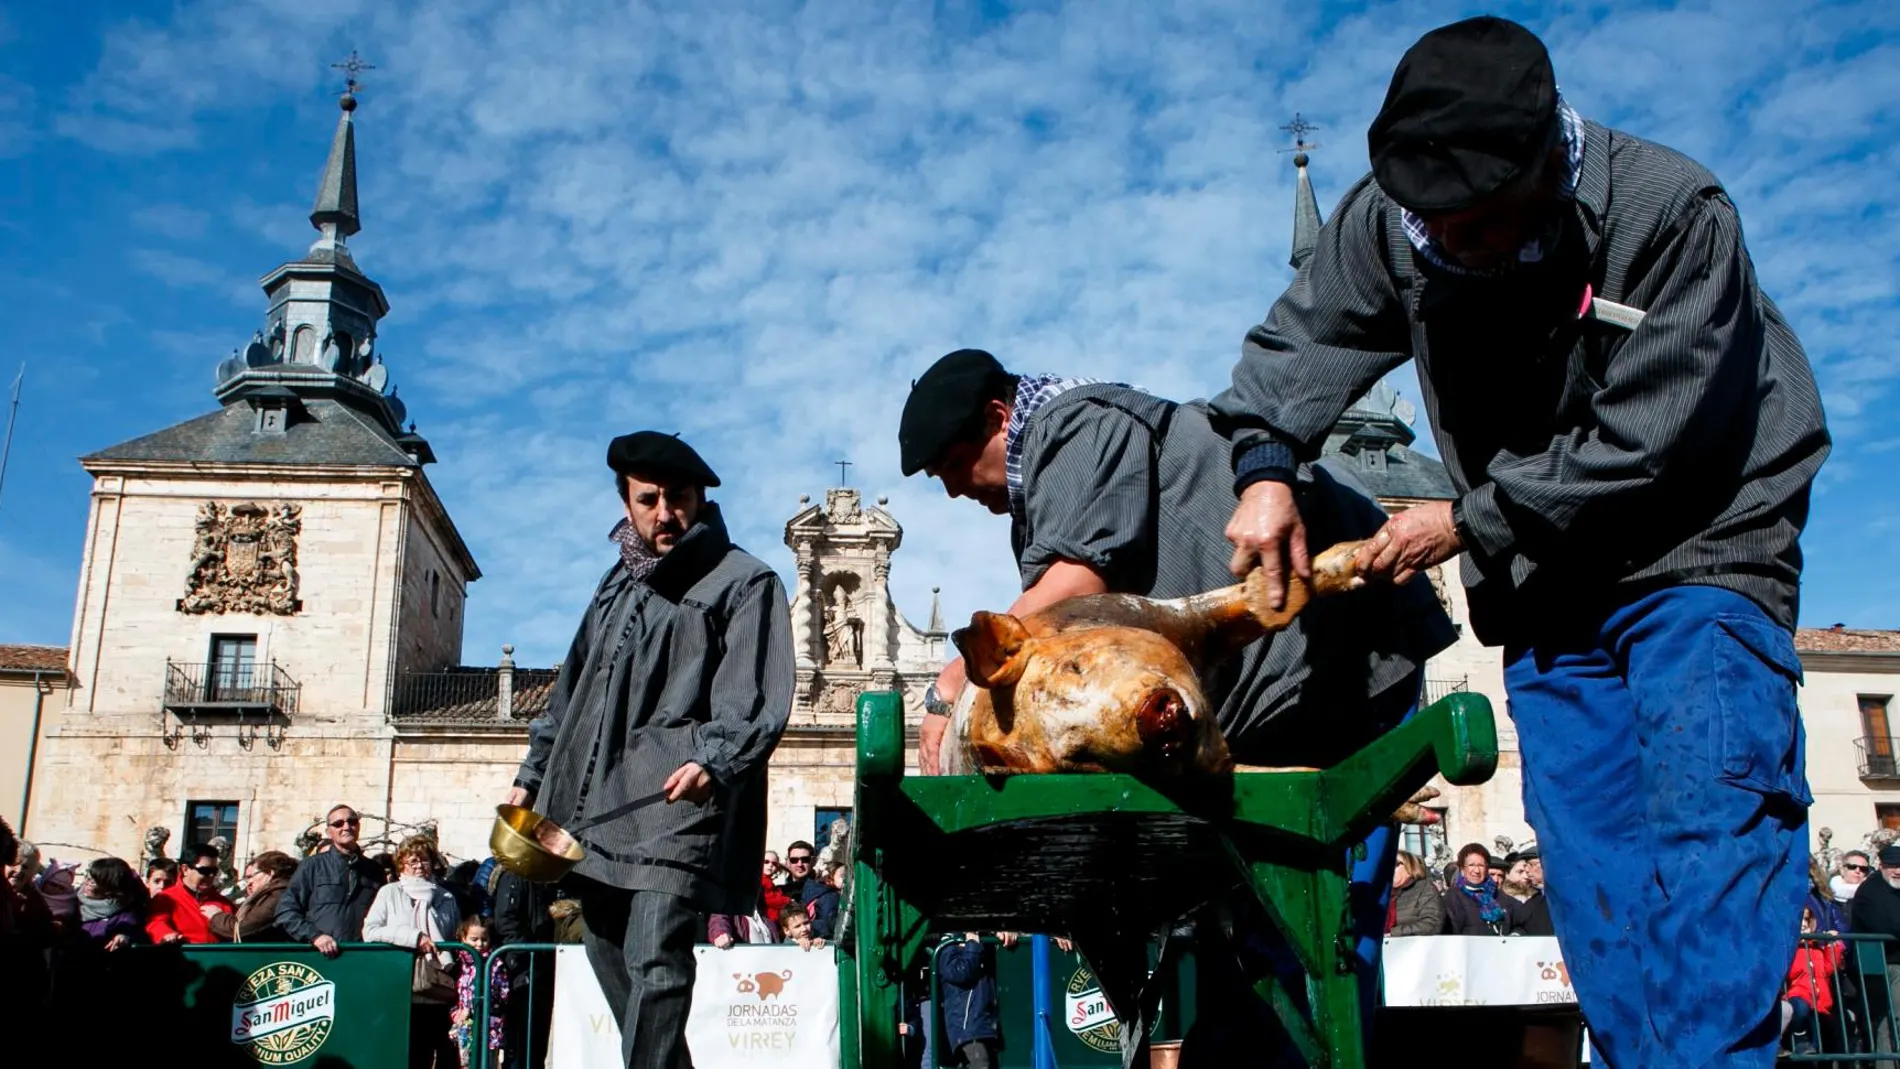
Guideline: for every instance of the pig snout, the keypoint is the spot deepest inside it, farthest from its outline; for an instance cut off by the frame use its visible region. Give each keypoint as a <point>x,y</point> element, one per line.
<point>1164,724</point>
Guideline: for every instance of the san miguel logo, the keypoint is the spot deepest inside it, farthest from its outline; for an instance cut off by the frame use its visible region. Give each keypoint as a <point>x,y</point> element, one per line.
<point>1090,1017</point>
<point>283,1013</point>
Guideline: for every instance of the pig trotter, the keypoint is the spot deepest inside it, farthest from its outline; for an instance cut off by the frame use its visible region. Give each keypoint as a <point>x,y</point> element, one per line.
<point>1165,726</point>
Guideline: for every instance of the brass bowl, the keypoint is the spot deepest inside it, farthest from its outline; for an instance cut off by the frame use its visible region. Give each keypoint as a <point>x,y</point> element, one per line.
<point>531,846</point>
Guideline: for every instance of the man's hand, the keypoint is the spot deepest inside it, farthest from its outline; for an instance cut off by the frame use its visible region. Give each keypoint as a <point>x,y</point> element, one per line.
<point>170,937</point>
<point>209,911</point>
<point>950,683</point>
<point>325,946</point>
<point>1064,945</point>
<point>722,940</point>
<point>1007,939</point>
<point>688,783</point>
<point>517,796</point>
<point>120,942</point>
<point>1267,528</point>
<point>1409,543</point>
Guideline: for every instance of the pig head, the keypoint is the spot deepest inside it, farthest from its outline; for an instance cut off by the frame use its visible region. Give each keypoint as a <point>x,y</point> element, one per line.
<point>1111,682</point>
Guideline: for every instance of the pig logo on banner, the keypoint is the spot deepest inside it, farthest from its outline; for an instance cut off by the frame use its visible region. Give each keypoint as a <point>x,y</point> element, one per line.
<point>283,1013</point>
<point>767,984</point>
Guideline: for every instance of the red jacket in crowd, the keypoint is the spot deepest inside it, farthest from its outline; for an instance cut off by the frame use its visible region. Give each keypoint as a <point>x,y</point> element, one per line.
<point>1811,977</point>
<point>176,909</point>
<point>772,899</point>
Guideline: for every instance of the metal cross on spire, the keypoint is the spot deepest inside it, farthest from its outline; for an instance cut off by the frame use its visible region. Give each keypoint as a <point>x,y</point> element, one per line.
<point>351,67</point>
<point>843,476</point>
<point>1299,128</point>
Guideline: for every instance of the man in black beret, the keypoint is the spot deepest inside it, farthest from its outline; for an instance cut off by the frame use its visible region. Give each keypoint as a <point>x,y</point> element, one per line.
<point>1109,488</point>
<point>1632,431</point>
<point>656,737</point>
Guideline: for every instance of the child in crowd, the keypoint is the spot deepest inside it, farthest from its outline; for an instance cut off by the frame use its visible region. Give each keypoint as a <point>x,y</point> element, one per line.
<point>797,929</point>
<point>474,931</point>
<point>1810,989</point>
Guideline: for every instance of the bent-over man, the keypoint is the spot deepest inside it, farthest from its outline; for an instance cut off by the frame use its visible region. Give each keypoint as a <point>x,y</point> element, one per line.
<point>673,696</point>
<point>1110,489</point>
<point>1632,430</point>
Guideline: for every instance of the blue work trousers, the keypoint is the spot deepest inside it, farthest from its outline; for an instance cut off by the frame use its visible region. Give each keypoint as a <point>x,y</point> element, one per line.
<point>1664,774</point>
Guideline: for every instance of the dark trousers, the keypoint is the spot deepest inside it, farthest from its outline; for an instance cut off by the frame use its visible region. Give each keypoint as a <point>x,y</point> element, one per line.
<point>529,1015</point>
<point>1663,771</point>
<point>430,1044</point>
<point>640,944</point>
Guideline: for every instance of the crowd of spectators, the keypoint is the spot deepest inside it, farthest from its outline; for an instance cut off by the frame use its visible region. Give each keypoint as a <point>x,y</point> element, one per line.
<point>1480,894</point>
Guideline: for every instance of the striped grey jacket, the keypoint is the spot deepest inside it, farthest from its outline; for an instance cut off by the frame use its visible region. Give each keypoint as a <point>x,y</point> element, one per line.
<point>1592,463</point>
<point>694,664</point>
<point>1137,488</point>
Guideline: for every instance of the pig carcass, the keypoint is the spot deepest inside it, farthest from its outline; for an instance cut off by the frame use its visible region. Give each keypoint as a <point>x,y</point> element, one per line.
<point>1111,682</point>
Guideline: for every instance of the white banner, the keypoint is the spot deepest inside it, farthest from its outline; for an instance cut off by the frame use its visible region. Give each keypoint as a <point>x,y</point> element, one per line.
<point>752,1005</point>
<point>1469,970</point>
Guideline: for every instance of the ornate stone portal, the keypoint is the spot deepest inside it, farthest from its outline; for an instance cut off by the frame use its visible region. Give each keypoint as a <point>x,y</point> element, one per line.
<point>244,560</point>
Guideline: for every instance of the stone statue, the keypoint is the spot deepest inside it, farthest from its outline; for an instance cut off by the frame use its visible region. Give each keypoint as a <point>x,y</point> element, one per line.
<point>844,631</point>
<point>227,874</point>
<point>1504,845</point>
<point>155,840</point>
<point>1829,857</point>
<point>837,850</point>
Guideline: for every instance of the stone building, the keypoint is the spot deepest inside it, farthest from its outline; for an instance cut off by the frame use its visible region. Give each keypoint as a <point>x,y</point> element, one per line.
<point>32,684</point>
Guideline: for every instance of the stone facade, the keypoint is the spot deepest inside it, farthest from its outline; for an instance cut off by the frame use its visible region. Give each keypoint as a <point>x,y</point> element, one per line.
<point>33,684</point>
<point>1846,703</point>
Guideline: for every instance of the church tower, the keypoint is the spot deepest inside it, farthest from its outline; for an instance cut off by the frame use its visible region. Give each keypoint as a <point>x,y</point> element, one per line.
<point>255,580</point>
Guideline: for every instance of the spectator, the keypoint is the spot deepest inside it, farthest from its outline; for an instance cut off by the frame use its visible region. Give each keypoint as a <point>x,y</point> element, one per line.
<point>1533,859</point>
<point>385,863</point>
<point>725,929</point>
<point>9,849</point>
<point>798,861</point>
<point>1855,867</point>
<point>475,932</point>
<point>1416,907</point>
<point>160,874</point>
<point>522,915</point>
<point>1875,910</point>
<point>418,912</point>
<point>331,892</point>
<point>179,914</point>
<point>112,905</point>
<point>1535,914</point>
<point>774,869</point>
<point>1473,905</point>
<point>821,902</point>
<point>1828,914</point>
<point>797,929</point>
<point>966,975</point>
<point>772,896</point>
<point>265,880</point>
<point>1807,1006</point>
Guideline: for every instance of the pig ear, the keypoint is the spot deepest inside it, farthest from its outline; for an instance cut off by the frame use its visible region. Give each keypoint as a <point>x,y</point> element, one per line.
<point>992,648</point>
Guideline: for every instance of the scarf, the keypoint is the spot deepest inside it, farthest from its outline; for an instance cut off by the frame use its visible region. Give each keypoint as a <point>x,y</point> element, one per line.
<point>1032,392</point>
<point>1534,249</point>
<point>1486,896</point>
<point>98,909</point>
<point>421,891</point>
<point>634,551</point>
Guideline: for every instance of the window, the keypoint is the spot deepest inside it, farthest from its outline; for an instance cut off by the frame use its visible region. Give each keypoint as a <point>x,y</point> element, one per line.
<point>205,821</point>
<point>1424,841</point>
<point>435,591</point>
<point>1887,815</point>
<point>823,819</point>
<point>233,663</point>
<point>1873,722</point>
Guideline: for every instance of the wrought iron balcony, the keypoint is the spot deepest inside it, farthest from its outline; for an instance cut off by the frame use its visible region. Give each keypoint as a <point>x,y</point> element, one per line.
<point>1878,757</point>
<point>235,688</point>
<point>1435,689</point>
<point>468,695</point>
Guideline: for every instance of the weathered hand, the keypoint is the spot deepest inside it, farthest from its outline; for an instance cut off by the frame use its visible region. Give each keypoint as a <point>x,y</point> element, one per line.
<point>688,783</point>
<point>325,946</point>
<point>1267,528</point>
<point>517,796</point>
<point>950,683</point>
<point>1409,543</point>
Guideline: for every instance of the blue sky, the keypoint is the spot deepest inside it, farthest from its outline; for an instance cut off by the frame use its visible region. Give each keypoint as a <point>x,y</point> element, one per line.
<point>756,223</point>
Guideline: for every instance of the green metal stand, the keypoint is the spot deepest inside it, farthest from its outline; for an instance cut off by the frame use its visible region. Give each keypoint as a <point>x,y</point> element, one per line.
<point>1110,859</point>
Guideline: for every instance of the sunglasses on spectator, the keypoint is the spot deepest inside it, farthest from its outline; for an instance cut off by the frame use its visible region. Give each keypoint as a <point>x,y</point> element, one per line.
<point>349,822</point>
<point>1858,868</point>
<point>205,870</point>
<point>804,860</point>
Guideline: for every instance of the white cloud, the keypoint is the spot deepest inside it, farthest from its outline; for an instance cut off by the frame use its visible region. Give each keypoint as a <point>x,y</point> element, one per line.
<point>757,225</point>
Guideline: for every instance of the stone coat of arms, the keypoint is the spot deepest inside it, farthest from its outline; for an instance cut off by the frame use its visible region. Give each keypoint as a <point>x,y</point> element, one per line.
<point>244,560</point>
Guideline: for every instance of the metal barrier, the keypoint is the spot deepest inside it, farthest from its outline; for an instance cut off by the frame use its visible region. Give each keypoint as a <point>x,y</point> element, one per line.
<point>1857,978</point>
<point>539,983</point>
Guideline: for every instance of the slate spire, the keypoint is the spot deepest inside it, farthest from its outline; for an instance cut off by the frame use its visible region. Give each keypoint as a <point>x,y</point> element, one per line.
<point>1306,220</point>
<point>335,212</point>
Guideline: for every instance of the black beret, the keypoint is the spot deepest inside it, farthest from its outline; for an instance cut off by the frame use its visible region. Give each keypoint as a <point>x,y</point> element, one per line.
<point>944,403</point>
<point>1472,107</point>
<point>659,455</point>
